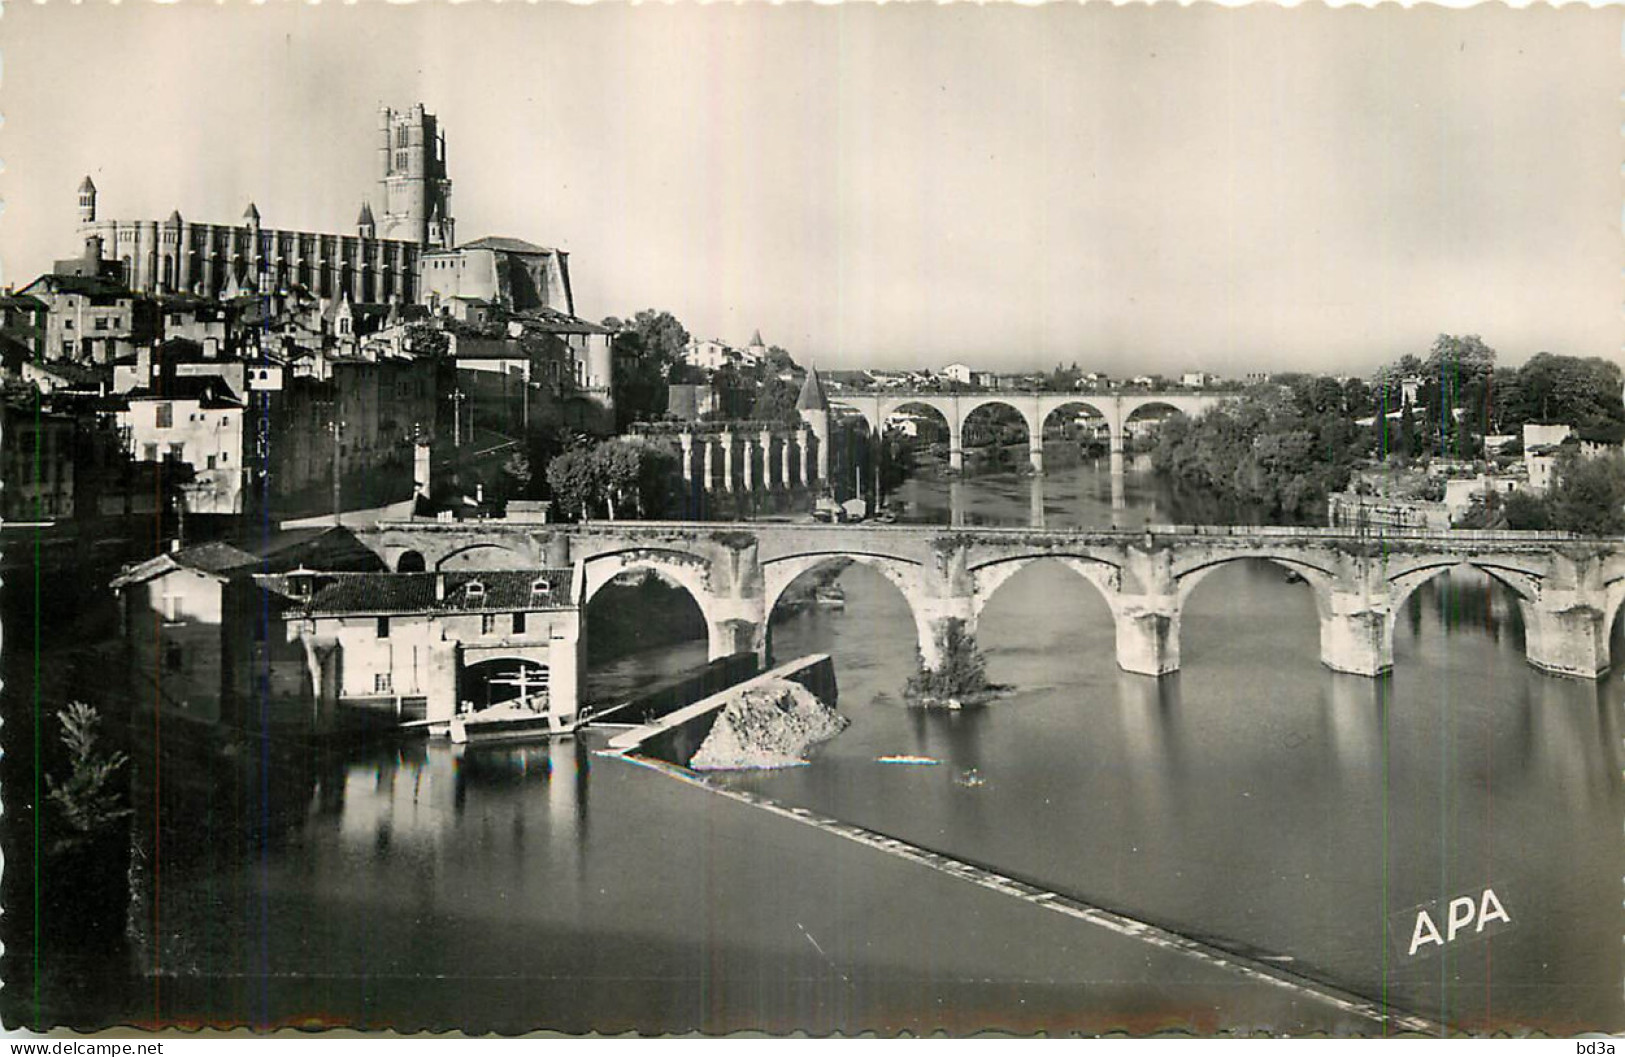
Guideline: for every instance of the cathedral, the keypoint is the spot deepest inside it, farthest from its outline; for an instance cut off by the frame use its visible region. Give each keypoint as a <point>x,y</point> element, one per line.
<point>378,263</point>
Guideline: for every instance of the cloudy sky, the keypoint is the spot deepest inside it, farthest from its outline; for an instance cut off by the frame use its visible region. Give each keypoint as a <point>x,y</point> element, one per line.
<point>1130,188</point>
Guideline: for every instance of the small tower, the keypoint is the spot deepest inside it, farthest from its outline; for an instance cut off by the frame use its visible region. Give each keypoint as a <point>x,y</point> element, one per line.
<point>87,201</point>
<point>814,408</point>
<point>365,225</point>
<point>437,231</point>
<point>251,217</point>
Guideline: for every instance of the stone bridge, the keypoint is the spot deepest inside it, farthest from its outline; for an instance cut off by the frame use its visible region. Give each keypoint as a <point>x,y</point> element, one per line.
<point>1568,589</point>
<point>1034,407</point>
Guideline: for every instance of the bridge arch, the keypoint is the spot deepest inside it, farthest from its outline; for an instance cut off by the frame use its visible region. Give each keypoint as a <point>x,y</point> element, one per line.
<point>988,577</point>
<point>1099,407</point>
<point>1521,582</point>
<point>676,567</point>
<point>779,573</point>
<point>402,559</point>
<point>1029,413</point>
<point>1321,580</point>
<point>891,407</point>
<point>484,555</point>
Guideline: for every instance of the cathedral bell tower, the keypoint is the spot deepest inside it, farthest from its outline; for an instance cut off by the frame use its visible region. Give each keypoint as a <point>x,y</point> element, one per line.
<point>414,192</point>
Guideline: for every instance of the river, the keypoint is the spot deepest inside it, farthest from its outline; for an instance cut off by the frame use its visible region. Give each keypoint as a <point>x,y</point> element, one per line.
<point>1254,800</point>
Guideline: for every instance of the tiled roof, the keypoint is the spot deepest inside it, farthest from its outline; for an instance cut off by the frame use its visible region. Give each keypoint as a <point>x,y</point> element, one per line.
<point>271,554</point>
<point>215,557</point>
<point>72,373</point>
<point>552,321</point>
<point>507,245</point>
<point>209,390</point>
<point>388,593</point>
<point>93,286</point>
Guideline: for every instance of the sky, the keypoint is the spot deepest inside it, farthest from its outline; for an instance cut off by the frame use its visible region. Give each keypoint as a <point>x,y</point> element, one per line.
<point>1128,188</point>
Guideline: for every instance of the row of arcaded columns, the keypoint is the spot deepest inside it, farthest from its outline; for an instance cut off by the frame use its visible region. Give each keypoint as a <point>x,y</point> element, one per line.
<point>717,459</point>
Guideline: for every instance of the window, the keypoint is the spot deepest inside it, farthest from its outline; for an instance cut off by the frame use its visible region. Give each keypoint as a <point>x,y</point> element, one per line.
<point>383,683</point>
<point>488,624</point>
<point>174,319</point>
<point>177,452</point>
<point>225,457</point>
<point>474,591</point>
<point>383,627</point>
<point>400,135</point>
<point>164,416</point>
<point>400,159</point>
<point>149,452</point>
<point>519,623</point>
<point>67,324</point>
<point>172,606</point>
<point>101,322</point>
<point>211,462</point>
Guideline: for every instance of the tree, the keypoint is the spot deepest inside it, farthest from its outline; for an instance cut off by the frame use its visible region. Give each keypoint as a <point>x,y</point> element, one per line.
<point>962,673</point>
<point>776,402</point>
<point>623,476</point>
<point>633,475</point>
<point>1525,511</point>
<point>516,471</point>
<point>780,362</point>
<point>646,348</point>
<point>574,479</point>
<point>1589,496</point>
<point>87,800</point>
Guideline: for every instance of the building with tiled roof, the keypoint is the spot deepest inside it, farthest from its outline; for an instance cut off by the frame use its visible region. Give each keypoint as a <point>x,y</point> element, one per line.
<point>423,646</point>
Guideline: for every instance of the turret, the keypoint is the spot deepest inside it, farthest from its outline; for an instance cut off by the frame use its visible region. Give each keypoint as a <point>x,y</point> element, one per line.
<point>437,233</point>
<point>251,216</point>
<point>365,225</point>
<point>87,201</point>
<point>814,408</point>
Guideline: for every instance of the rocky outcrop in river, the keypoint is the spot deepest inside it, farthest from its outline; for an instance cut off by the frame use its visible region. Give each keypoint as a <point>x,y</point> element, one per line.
<point>772,724</point>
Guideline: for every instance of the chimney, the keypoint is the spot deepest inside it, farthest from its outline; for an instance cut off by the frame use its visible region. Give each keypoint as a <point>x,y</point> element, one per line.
<point>143,366</point>
<point>479,493</point>
<point>439,587</point>
<point>420,467</point>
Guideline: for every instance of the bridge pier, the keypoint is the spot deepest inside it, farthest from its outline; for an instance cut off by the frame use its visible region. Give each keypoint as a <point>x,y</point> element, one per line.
<point>933,617</point>
<point>1035,453</point>
<point>1147,634</point>
<point>956,445</point>
<point>1566,635</point>
<point>1356,637</point>
<point>734,625</point>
